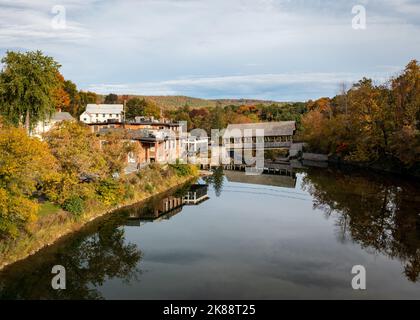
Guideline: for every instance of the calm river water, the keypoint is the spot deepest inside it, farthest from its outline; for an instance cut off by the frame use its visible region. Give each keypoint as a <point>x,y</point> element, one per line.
<point>266,237</point>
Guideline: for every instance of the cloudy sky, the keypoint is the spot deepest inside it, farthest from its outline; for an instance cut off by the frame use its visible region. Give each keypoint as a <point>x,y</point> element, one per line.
<point>268,49</point>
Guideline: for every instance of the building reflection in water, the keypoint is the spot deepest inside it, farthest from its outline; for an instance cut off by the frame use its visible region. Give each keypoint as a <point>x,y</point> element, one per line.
<point>275,174</point>
<point>169,206</point>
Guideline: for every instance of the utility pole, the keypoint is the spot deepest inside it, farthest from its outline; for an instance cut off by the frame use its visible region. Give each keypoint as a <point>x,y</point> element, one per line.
<point>124,102</point>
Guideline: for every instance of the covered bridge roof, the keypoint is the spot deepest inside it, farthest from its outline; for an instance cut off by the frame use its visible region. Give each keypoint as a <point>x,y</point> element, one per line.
<point>281,128</point>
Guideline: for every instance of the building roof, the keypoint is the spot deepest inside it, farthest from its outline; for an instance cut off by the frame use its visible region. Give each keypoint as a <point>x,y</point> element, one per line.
<point>104,108</point>
<point>143,135</point>
<point>281,128</point>
<point>145,123</point>
<point>62,116</point>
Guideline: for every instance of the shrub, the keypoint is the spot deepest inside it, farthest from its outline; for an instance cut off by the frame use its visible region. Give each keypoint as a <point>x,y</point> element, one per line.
<point>129,191</point>
<point>134,180</point>
<point>58,187</point>
<point>149,187</point>
<point>110,191</point>
<point>74,205</point>
<point>183,170</point>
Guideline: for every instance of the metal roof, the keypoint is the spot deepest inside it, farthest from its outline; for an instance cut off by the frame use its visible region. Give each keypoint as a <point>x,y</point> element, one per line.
<point>104,108</point>
<point>62,116</point>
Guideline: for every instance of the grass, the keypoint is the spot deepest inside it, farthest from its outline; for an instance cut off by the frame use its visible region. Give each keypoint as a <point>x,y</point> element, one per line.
<point>48,208</point>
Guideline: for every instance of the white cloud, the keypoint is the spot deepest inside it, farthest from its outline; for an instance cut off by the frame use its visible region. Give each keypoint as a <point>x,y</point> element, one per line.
<point>143,43</point>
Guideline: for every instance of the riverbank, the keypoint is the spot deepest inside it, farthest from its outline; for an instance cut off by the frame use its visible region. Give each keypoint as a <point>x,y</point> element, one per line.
<point>383,165</point>
<point>52,227</point>
<point>386,166</point>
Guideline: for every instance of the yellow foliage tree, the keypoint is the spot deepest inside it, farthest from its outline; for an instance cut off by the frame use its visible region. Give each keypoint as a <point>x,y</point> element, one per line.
<point>15,214</point>
<point>24,164</point>
<point>77,150</point>
<point>24,161</point>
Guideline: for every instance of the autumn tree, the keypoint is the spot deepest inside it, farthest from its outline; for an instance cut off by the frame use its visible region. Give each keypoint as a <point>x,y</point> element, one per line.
<point>75,105</point>
<point>152,110</point>
<point>370,123</point>
<point>61,96</point>
<point>27,84</point>
<point>116,148</point>
<point>405,93</point>
<point>406,96</point>
<point>25,163</point>
<point>77,150</point>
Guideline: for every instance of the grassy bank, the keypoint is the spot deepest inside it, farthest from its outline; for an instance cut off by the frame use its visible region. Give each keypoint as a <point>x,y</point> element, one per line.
<point>54,222</point>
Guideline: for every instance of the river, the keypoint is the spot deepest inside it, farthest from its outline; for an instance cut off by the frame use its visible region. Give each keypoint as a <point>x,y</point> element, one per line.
<point>295,236</point>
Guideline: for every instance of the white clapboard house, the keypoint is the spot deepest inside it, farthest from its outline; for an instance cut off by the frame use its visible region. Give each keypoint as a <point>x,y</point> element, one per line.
<point>101,113</point>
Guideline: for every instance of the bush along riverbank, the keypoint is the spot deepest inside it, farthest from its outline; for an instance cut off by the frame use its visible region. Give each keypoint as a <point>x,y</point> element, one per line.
<point>52,187</point>
<point>54,222</point>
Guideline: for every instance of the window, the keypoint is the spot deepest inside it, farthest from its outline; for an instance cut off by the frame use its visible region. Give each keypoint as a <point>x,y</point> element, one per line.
<point>103,115</point>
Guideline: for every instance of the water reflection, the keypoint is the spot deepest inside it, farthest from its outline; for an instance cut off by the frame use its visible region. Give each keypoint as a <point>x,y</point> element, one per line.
<point>164,208</point>
<point>381,214</point>
<point>257,238</point>
<point>216,180</point>
<point>90,259</point>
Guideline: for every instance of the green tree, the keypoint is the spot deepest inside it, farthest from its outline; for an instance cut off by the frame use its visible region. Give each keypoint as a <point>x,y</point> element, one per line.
<point>27,83</point>
<point>218,119</point>
<point>140,107</point>
<point>88,97</point>
<point>135,107</point>
<point>111,99</point>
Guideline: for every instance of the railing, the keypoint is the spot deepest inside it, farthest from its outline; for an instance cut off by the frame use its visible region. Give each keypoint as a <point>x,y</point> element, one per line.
<point>239,145</point>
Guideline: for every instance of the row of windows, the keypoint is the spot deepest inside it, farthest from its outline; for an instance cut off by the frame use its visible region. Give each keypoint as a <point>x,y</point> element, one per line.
<point>104,115</point>
<point>259,139</point>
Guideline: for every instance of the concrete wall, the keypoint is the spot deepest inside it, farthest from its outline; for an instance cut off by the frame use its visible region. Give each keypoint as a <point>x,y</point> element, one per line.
<point>314,156</point>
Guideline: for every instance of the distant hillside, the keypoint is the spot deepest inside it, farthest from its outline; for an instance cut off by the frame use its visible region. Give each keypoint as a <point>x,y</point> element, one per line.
<point>174,102</point>
<point>242,102</point>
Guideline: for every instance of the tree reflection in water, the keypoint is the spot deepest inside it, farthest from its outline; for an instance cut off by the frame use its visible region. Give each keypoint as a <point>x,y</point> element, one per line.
<point>90,260</point>
<point>377,212</point>
<point>216,179</point>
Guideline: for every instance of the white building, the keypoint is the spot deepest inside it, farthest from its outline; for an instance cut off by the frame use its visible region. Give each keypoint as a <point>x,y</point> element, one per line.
<point>100,113</point>
<point>195,145</point>
<point>47,125</point>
